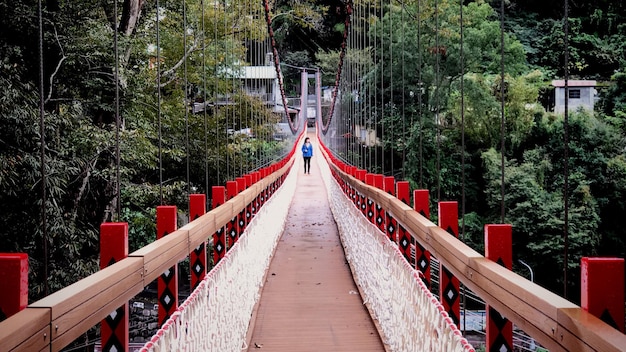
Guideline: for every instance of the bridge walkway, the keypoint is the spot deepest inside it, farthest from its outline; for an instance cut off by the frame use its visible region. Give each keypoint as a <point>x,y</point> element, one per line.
<point>309,301</point>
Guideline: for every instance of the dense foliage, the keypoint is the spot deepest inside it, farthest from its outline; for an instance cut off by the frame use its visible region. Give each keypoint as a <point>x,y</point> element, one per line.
<point>161,134</point>
<point>433,118</point>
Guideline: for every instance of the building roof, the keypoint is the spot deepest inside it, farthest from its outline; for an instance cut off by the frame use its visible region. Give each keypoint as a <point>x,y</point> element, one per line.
<point>574,83</point>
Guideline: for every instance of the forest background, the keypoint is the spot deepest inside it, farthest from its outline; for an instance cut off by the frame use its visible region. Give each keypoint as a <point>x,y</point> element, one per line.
<point>197,151</point>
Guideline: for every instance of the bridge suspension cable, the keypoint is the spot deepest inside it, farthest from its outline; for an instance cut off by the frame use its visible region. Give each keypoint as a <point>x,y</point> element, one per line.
<point>42,151</point>
<point>293,126</point>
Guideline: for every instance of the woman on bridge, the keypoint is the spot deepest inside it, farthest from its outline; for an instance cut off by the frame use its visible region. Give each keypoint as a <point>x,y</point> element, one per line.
<point>307,153</point>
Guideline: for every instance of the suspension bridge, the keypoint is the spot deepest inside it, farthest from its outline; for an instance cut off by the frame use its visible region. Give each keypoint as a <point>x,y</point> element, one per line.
<point>342,259</point>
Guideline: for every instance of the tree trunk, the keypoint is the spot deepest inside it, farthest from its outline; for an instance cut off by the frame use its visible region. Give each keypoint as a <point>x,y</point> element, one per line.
<point>130,16</point>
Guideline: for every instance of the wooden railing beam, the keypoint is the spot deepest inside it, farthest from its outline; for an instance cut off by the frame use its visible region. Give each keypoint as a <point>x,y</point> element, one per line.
<point>78,307</point>
<point>198,229</point>
<point>161,254</point>
<point>29,330</point>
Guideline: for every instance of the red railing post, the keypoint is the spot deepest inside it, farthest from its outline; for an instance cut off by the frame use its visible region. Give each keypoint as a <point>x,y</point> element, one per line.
<point>449,286</point>
<point>403,192</point>
<point>379,213</point>
<point>257,199</point>
<point>421,204</point>
<point>262,197</point>
<point>168,281</point>
<point>232,228</point>
<point>369,212</point>
<point>241,218</point>
<point>197,257</point>
<point>113,248</point>
<point>602,289</point>
<point>249,208</point>
<point>391,225</point>
<point>499,248</point>
<point>361,199</point>
<point>219,239</point>
<point>14,278</point>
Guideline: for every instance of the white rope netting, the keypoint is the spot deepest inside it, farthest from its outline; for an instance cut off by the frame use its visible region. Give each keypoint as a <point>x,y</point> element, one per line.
<point>216,315</point>
<point>410,317</point>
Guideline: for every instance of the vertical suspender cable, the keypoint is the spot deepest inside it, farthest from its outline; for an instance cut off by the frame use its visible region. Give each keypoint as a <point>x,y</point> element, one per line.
<point>186,95</point>
<point>381,164</point>
<point>502,117</point>
<point>375,85</point>
<point>372,93</point>
<point>216,80</point>
<point>437,78</point>
<point>566,151</point>
<point>462,67</point>
<point>229,107</point>
<point>158,87</point>
<point>404,138</point>
<point>117,115</point>
<point>391,102</point>
<point>42,150</point>
<point>420,88</point>
<point>204,104</point>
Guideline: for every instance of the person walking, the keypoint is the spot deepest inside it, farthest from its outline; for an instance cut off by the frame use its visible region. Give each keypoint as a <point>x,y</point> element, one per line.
<point>307,153</point>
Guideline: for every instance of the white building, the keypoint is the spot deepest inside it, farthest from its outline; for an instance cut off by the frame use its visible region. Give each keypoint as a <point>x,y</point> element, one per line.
<point>581,94</point>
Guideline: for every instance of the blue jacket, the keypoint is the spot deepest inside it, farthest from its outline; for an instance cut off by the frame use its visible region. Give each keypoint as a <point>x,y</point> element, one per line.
<point>307,151</point>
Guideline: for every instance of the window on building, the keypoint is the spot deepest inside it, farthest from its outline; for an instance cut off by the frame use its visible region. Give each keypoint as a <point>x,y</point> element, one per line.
<point>574,93</point>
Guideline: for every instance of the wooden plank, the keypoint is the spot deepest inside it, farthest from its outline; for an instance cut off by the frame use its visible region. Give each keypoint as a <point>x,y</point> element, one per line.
<point>381,198</point>
<point>249,195</point>
<point>27,330</point>
<point>163,253</point>
<point>237,203</point>
<point>399,211</point>
<point>579,325</point>
<point>224,213</point>
<point>78,307</point>
<point>201,229</point>
<point>418,226</point>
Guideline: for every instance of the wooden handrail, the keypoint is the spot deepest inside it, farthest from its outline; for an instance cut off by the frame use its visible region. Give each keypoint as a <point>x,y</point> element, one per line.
<point>55,321</point>
<point>556,323</point>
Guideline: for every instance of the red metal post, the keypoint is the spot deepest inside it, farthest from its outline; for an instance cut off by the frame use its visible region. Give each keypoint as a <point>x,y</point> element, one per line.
<point>602,289</point>
<point>168,281</point>
<point>257,178</point>
<point>449,285</point>
<point>391,225</point>
<point>404,237</point>
<point>113,248</point>
<point>263,194</point>
<point>219,239</point>
<point>241,218</point>
<point>197,257</point>
<point>232,228</point>
<point>499,248</point>
<point>379,212</point>
<point>14,278</point>
<point>421,204</point>
<point>250,207</point>
<point>361,202</point>
<point>369,209</point>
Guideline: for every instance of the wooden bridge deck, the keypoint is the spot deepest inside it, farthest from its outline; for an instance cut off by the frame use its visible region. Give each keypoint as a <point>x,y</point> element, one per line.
<point>310,301</point>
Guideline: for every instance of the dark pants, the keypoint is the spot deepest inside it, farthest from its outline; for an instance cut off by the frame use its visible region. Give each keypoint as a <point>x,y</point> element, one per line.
<point>307,164</point>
